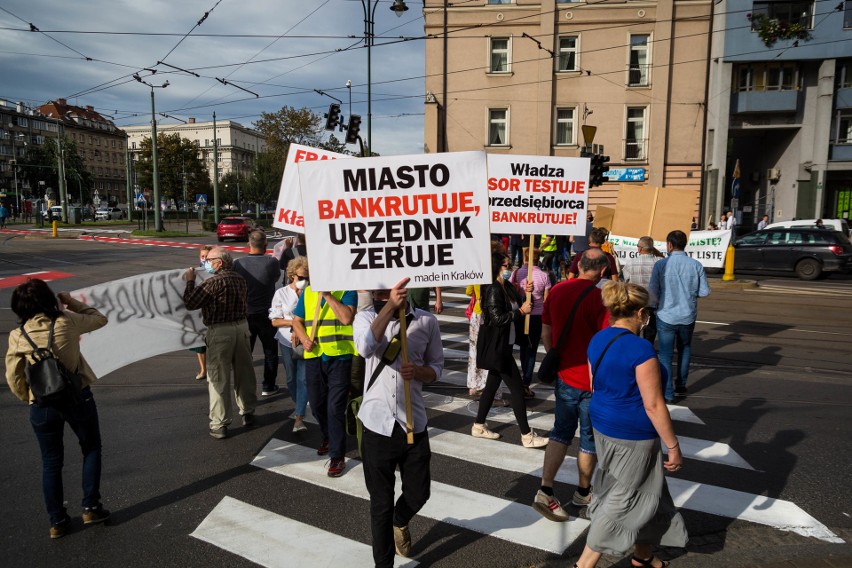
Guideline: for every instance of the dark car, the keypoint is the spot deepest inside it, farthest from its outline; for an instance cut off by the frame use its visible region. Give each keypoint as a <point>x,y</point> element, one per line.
<point>807,252</point>
<point>237,228</point>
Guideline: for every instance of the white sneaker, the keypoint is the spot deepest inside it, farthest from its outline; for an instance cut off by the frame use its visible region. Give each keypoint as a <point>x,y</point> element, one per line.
<point>533,440</point>
<point>482,431</point>
<point>549,507</point>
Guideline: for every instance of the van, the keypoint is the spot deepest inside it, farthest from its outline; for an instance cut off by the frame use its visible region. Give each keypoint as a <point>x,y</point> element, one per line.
<point>830,224</point>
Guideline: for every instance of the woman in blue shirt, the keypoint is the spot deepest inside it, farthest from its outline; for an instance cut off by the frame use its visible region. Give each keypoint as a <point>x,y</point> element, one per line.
<point>632,506</point>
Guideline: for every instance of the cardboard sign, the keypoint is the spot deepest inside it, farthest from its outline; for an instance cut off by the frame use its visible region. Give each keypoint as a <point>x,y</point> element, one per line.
<point>538,194</point>
<point>288,212</point>
<point>372,221</point>
<point>707,247</point>
<point>641,211</point>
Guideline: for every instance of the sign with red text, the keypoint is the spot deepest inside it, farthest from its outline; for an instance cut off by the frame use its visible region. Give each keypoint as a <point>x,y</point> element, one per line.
<point>288,212</point>
<point>372,221</point>
<point>538,194</point>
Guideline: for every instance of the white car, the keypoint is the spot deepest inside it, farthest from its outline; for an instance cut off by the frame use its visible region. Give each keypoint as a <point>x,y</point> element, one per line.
<point>830,224</point>
<point>54,212</point>
<point>108,213</point>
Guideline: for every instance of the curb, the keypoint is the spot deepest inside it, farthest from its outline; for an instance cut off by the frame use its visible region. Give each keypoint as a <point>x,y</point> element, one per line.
<point>733,284</point>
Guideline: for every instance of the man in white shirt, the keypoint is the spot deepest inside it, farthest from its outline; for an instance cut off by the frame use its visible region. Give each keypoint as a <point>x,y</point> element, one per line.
<point>763,223</point>
<point>731,221</point>
<point>383,415</point>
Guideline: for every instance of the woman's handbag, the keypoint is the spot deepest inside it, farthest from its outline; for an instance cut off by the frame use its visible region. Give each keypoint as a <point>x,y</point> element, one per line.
<point>491,344</point>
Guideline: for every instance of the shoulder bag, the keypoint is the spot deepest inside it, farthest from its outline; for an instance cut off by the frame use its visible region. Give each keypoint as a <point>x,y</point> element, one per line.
<point>549,368</point>
<point>49,380</point>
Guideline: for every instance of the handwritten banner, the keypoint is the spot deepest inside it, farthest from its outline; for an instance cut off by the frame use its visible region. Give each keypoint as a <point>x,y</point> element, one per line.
<point>707,247</point>
<point>538,194</point>
<point>372,221</point>
<point>147,317</point>
<point>288,212</point>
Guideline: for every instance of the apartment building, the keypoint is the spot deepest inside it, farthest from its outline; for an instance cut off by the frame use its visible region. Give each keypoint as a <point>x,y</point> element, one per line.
<point>523,77</point>
<point>781,104</point>
<point>20,129</point>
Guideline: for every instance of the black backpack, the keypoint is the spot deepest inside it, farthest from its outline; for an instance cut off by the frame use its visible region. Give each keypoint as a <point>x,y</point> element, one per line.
<point>50,381</point>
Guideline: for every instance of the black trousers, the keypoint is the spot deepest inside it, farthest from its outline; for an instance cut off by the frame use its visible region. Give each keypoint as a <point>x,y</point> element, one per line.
<point>260,326</point>
<point>650,332</point>
<point>512,377</point>
<point>382,455</point>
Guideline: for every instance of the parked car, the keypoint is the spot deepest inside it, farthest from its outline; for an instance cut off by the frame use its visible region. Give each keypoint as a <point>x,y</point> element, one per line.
<point>237,228</point>
<point>830,224</point>
<point>52,213</point>
<point>808,252</point>
<point>108,213</point>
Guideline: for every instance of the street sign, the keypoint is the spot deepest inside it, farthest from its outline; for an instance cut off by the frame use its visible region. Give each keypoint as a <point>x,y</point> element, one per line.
<point>140,197</point>
<point>201,198</point>
<point>625,174</point>
<point>735,187</point>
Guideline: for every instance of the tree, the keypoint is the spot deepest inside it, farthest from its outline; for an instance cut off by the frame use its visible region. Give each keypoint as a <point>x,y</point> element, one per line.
<point>228,186</point>
<point>335,145</point>
<point>41,164</point>
<point>177,159</point>
<point>302,126</point>
<point>265,181</point>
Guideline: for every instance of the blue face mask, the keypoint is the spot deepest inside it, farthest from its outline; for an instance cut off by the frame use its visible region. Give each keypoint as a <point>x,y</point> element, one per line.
<point>507,274</point>
<point>208,266</point>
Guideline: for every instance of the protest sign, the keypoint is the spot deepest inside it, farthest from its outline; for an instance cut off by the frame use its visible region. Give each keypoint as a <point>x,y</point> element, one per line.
<point>147,317</point>
<point>372,221</point>
<point>288,212</point>
<point>707,247</point>
<point>538,194</point>
<point>641,211</point>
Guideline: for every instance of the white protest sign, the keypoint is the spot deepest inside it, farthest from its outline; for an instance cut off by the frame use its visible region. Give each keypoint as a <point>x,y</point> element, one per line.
<point>288,212</point>
<point>538,194</point>
<point>707,247</point>
<point>147,317</point>
<point>372,221</point>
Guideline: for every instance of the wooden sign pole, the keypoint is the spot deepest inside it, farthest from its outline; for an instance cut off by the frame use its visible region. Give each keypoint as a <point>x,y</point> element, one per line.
<point>409,419</point>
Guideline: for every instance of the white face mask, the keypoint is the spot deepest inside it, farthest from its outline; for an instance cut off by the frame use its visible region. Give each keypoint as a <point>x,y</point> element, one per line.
<point>301,284</point>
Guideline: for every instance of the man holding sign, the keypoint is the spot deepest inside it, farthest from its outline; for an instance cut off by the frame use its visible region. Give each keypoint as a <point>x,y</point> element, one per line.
<point>378,337</point>
<point>322,323</point>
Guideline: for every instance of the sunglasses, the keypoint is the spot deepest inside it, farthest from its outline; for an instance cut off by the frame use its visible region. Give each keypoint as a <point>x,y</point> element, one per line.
<point>300,278</point>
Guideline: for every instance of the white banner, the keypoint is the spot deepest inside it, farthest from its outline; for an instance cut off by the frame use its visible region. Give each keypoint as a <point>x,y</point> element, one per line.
<point>707,247</point>
<point>288,212</point>
<point>538,194</point>
<point>147,317</point>
<point>373,221</point>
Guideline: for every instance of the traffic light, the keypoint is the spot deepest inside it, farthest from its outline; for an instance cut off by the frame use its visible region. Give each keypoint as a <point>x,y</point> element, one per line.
<point>353,129</point>
<point>598,168</point>
<point>332,117</point>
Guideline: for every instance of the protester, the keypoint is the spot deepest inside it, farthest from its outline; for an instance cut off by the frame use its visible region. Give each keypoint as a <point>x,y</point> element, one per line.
<point>500,309</point>
<point>281,315</point>
<point>632,505</point>
<point>383,414</point>
<point>581,297</point>
<point>419,297</point>
<point>201,352</point>
<point>476,377</point>
<point>731,220</point>
<point>529,342</point>
<point>38,311</point>
<point>579,243</point>
<point>3,214</point>
<point>763,222</point>
<point>222,300</point>
<point>638,271</point>
<point>596,240</point>
<point>515,249</point>
<point>328,364</point>
<point>293,251</point>
<point>261,273</point>
<point>677,282</point>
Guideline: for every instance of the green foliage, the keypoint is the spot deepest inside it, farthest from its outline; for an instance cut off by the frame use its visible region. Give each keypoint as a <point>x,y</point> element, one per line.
<point>265,181</point>
<point>42,164</point>
<point>228,189</point>
<point>302,126</point>
<point>177,159</point>
<point>770,30</point>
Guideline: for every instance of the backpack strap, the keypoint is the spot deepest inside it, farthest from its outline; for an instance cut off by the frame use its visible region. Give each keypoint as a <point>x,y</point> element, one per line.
<point>611,341</point>
<point>390,353</point>
<point>36,348</point>
<point>567,329</point>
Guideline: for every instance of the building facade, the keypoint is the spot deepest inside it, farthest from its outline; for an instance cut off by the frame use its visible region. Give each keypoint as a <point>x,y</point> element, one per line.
<point>782,107</point>
<point>21,128</point>
<point>523,77</point>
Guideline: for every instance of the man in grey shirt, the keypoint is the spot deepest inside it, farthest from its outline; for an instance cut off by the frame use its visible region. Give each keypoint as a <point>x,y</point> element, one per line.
<point>261,273</point>
<point>383,415</point>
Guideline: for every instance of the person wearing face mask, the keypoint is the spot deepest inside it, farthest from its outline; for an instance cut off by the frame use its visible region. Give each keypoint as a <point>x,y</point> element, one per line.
<point>501,307</point>
<point>201,352</point>
<point>281,314</point>
<point>632,505</point>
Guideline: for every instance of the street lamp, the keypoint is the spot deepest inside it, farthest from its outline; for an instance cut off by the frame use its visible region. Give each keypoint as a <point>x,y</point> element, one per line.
<point>158,217</point>
<point>398,8</point>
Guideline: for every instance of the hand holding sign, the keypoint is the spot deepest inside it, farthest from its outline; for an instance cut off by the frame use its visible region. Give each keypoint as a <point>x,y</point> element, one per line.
<point>398,294</point>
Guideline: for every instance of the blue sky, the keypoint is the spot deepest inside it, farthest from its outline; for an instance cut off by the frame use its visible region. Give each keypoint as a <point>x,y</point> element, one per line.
<point>306,45</point>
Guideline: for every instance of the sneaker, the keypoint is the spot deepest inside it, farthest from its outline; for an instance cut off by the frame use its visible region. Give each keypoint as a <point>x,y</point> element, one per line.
<point>549,507</point>
<point>219,433</point>
<point>323,449</point>
<point>336,467</point>
<point>61,528</point>
<point>681,389</point>
<point>95,515</point>
<point>299,425</point>
<point>402,541</point>
<point>579,501</point>
<point>482,431</point>
<point>269,391</point>
<point>533,440</point>
<point>248,420</point>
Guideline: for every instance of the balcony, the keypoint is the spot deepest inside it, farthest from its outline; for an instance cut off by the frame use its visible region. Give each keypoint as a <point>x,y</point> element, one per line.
<point>765,101</point>
<point>844,98</point>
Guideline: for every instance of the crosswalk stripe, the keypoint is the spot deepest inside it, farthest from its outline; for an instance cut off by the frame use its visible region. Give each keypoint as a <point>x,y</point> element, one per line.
<point>478,512</point>
<point>275,541</point>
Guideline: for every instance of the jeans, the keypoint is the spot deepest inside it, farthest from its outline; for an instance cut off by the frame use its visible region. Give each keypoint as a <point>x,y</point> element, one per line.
<point>669,337</point>
<point>529,348</point>
<point>382,455</point>
<point>260,326</point>
<point>49,426</point>
<point>294,369</point>
<point>572,409</point>
<point>328,392</point>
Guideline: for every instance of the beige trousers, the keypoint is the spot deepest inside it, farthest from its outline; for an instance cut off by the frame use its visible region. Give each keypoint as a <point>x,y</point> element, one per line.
<point>228,349</point>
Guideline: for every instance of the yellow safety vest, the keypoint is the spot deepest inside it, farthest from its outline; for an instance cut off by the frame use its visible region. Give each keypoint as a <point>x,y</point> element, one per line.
<point>551,246</point>
<point>333,338</point>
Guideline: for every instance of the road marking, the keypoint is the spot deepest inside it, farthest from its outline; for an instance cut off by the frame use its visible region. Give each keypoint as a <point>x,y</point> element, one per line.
<point>478,512</point>
<point>46,275</point>
<point>276,541</point>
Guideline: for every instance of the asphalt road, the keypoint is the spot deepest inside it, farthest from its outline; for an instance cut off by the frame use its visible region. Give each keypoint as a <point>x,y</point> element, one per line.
<point>769,409</point>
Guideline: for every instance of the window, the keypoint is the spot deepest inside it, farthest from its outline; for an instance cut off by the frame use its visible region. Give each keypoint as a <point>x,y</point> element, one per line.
<point>498,127</point>
<point>797,12</point>
<point>133,145</point>
<point>847,14</point>
<point>499,55</point>
<point>564,126</point>
<point>21,121</point>
<point>767,77</point>
<point>844,73</point>
<point>844,128</point>
<point>568,53</point>
<point>638,73</point>
<point>634,143</point>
